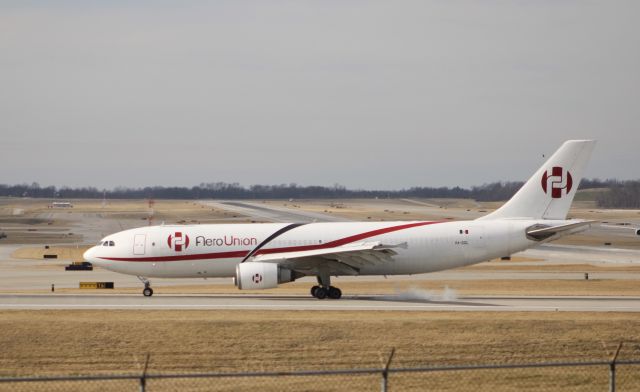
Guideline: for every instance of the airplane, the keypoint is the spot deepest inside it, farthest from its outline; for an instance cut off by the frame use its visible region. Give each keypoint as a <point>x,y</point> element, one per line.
<point>264,255</point>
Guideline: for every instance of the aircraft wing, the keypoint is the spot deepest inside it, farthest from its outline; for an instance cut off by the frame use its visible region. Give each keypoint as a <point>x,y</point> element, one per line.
<point>542,232</point>
<point>346,259</point>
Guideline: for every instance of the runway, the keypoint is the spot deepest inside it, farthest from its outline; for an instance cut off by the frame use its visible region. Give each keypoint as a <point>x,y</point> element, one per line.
<point>398,302</point>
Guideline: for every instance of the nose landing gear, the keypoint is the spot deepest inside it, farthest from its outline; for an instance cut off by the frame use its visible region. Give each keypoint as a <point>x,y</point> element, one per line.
<point>147,291</point>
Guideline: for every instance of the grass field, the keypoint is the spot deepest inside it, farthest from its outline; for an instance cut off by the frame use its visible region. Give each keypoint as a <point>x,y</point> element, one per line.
<point>99,342</point>
<point>75,342</point>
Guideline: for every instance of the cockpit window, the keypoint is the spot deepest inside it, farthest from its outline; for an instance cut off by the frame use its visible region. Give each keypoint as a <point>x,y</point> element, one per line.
<point>106,243</point>
<point>111,243</point>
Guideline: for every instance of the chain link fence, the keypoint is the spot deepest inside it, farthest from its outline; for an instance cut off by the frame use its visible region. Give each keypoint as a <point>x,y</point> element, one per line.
<point>611,375</point>
<point>579,376</point>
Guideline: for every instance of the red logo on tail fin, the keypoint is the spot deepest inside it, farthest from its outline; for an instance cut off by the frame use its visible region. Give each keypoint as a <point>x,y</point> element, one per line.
<point>558,180</point>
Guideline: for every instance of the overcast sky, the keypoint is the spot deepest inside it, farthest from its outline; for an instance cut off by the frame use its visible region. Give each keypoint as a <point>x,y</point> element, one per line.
<point>376,95</point>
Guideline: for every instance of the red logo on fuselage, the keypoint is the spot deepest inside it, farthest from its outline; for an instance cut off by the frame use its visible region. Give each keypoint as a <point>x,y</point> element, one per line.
<point>178,242</point>
<point>558,180</point>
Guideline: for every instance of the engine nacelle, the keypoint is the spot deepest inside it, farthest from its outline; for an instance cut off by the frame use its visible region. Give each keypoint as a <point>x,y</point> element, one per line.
<point>260,276</point>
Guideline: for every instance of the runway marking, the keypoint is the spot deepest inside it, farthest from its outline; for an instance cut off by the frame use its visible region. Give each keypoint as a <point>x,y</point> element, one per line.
<point>502,308</point>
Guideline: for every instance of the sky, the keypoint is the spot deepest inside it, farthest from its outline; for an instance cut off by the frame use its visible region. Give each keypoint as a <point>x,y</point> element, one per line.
<point>366,94</point>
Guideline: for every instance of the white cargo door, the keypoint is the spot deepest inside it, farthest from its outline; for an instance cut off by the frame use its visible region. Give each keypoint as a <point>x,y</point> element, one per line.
<point>138,244</point>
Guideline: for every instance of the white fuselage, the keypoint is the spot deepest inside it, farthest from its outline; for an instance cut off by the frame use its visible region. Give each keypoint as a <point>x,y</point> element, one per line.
<point>261,256</point>
<point>187,251</point>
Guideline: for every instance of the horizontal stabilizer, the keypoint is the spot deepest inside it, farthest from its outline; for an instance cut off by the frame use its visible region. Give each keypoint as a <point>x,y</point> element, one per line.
<point>543,232</point>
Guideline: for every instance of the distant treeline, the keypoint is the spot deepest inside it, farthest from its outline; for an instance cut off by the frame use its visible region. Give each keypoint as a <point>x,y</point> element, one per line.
<point>621,194</point>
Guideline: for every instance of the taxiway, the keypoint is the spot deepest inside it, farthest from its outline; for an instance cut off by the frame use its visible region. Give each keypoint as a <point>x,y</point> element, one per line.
<point>299,302</point>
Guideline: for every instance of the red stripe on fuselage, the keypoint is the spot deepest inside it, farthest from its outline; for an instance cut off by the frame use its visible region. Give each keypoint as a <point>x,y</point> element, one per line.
<point>243,253</point>
<point>342,241</point>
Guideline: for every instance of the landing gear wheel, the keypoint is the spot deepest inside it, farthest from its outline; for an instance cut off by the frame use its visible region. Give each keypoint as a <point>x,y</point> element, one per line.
<point>320,293</point>
<point>334,292</point>
<point>148,291</point>
<point>313,290</point>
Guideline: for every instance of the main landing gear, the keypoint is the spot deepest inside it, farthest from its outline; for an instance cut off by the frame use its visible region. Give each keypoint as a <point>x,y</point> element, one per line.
<point>322,293</point>
<point>324,289</point>
<point>147,291</point>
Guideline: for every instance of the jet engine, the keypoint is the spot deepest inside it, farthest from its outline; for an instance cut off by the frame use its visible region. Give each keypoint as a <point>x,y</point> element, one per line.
<point>260,276</point>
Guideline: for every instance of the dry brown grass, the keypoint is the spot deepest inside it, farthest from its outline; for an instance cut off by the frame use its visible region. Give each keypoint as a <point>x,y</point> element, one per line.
<point>497,265</point>
<point>73,253</point>
<point>586,239</point>
<point>79,341</point>
<point>32,237</point>
<point>170,211</point>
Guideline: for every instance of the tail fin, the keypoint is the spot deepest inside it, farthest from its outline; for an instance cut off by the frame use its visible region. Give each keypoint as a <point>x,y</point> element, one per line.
<point>549,193</point>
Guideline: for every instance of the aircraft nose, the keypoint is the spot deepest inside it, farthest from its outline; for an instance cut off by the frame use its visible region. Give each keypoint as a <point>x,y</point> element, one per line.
<point>89,255</point>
